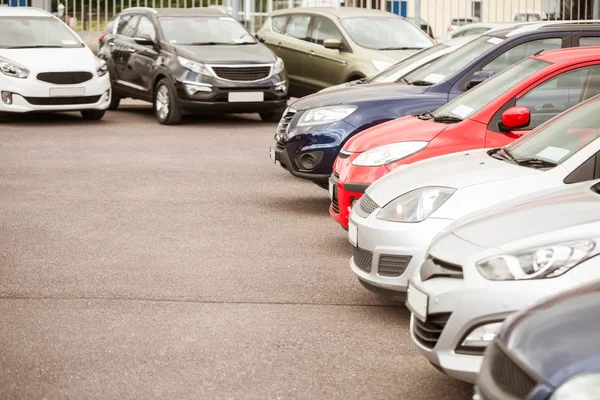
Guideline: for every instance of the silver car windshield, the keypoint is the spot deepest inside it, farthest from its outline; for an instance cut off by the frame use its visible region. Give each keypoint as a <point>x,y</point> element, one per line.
<point>204,31</point>
<point>398,70</point>
<point>33,32</point>
<point>383,33</point>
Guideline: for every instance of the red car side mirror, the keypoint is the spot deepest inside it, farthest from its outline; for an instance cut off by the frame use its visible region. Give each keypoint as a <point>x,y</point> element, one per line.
<point>515,118</point>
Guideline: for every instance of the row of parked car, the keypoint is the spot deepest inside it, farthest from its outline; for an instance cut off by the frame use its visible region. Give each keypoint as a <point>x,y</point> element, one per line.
<point>468,178</point>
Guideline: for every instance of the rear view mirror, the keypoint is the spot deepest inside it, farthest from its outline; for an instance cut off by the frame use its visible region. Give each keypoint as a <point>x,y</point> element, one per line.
<point>478,77</point>
<point>144,40</point>
<point>515,118</point>
<point>332,44</point>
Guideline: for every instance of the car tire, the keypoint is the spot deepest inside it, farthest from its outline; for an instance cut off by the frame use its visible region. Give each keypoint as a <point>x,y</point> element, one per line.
<point>115,101</point>
<point>92,115</point>
<point>274,116</point>
<point>166,105</point>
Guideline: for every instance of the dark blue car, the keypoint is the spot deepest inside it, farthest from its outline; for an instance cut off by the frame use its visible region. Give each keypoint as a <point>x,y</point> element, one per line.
<point>547,352</point>
<point>314,129</point>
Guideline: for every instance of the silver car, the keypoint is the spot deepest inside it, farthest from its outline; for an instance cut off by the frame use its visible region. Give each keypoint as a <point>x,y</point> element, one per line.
<point>490,264</point>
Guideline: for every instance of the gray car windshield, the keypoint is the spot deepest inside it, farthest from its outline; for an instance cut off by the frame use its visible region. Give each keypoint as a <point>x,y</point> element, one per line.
<point>398,70</point>
<point>33,32</point>
<point>564,136</point>
<point>204,31</point>
<point>475,99</point>
<point>383,33</point>
<point>447,66</point>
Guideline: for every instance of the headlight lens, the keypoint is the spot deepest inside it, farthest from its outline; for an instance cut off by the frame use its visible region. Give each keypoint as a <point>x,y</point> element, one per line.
<point>278,66</point>
<point>389,153</point>
<point>381,65</point>
<point>325,115</point>
<point>481,336</point>
<point>537,263</point>
<point>581,387</point>
<point>13,69</point>
<point>416,206</point>
<point>101,67</point>
<point>194,66</point>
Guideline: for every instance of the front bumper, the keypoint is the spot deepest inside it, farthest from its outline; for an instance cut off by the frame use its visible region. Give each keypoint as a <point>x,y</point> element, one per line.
<point>342,200</point>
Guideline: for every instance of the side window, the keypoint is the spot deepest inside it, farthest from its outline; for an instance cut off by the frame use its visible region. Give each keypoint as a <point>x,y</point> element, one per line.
<point>127,25</point>
<point>298,26</point>
<point>520,52</point>
<point>278,23</point>
<point>146,28</point>
<point>324,29</point>
<point>589,41</point>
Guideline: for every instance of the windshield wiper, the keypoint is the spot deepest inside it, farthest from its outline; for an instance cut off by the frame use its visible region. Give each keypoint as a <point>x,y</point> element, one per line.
<point>536,162</point>
<point>401,48</point>
<point>447,118</point>
<point>37,46</point>
<point>243,43</point>
<point>403,80</point>
<point>421,83</point>
<point>426,116</point>
<point>508,155</point>
<point>206,43</point>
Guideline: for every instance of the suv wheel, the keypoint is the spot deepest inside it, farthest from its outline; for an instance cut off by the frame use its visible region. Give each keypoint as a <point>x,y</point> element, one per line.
<point>114,102</point>
<point>92,115</point>
<point>166,106</point>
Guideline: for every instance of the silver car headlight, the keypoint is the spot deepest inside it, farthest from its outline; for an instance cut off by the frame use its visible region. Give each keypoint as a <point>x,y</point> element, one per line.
<point>537,263</point>
<point>581,387</point>
<point>101,67</point>
<point>389,153</point>
<point>325,115</point>
<point>13,69</point>
<point>278,66</point>
<point>416,206</point>
<point>194,66</point>
<point>480,337</point>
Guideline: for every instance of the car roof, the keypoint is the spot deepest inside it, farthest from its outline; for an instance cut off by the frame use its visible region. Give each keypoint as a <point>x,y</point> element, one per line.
<point>23,12</point>
<point>341,12</point>
<point>570,55</point>
<point>178,12</point>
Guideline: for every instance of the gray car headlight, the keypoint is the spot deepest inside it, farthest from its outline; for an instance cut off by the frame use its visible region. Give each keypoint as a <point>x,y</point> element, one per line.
<point>13,69</point>
<point>278,66</point>
<point>194,66</point>
<point>325,115</point>
<point>537,263</point>
<point>416,206</point>
<point>389,153</point>
<point>581,387</point>
<point>101,67</point>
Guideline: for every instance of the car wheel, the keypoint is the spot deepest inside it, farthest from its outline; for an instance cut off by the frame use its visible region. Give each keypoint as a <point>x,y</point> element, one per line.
<point>272,116</point>
<point>166,106</point>
<point>115,100</point>
<point>92,115</point>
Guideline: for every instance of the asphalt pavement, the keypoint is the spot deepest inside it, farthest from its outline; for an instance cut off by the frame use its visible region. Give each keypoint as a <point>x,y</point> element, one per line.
<point>140,261</point>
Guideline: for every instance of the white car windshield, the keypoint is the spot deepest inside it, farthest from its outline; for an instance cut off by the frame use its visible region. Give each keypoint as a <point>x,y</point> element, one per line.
<point>32,32</point>
<point>204,31</point>
<point>384,33</point>
<point>398,70</point>
<point>475,99</point>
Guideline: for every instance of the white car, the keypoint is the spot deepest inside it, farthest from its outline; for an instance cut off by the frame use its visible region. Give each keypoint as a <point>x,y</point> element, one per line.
<point>495,262</point>
<point>394,222</point>
<point>45,66</point>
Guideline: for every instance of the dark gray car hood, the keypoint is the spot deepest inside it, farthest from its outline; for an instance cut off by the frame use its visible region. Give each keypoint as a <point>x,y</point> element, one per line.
<point>225,54</point>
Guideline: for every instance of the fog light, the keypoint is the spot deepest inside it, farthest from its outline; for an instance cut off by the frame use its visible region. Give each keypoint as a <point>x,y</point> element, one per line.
<point>353,202</point>
<point>308,161</point>
<point>7,97</point>
<point>192,89</point>
<point>281,87</point>
<point>479,338</point>
<point>107,95</point>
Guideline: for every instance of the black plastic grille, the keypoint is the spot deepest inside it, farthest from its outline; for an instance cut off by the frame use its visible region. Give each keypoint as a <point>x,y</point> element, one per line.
<point>428,333</point>
<point>343,155</point>
<point>367,204</point>
<point>362,258</point>
<point>508,376</point>
<point>62,101</point>
<point>436,268</point>
<point>65,78</point>
<point>334,198</point>
<point>242,73</point>
<point>392,265</point>
<point>283,124</point>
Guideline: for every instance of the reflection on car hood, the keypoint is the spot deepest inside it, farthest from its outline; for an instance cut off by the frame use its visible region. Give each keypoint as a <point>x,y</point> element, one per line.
<point>226,54</point>
<point>53,60</point>
<point>357,94</point>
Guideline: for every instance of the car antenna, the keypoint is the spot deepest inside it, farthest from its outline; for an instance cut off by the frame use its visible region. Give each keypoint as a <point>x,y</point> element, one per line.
<point>538,53</point>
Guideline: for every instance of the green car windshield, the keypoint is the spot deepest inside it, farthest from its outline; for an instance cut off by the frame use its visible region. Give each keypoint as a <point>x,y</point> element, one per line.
<point>385,33</point>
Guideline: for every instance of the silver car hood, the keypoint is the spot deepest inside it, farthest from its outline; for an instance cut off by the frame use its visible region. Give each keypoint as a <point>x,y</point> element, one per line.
<point>528,216</point>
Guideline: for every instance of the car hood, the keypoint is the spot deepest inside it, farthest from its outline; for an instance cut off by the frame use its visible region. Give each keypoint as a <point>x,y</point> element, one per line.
<point>357,94</point>
<point>551,209</point>
<point>224,54</point>
<point>458,170</point>
<point>54,60</point>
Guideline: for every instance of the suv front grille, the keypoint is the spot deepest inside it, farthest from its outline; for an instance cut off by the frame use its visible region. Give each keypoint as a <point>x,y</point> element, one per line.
<point>362,258</point>
<point>65,78</point>
<point>284,123</point>
<point>242,74</point>
<point>507,375</point>
<point>392,265</point>
<point>428,333</point>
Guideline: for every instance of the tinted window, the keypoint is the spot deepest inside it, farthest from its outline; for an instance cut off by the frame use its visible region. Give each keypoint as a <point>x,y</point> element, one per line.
<point>324,29</point>
<point>127,25</point>
<point>278,23</point>
<point>146,28</point>
<point>298,26</point>
<point>520,52</point>
<point>589,41</point>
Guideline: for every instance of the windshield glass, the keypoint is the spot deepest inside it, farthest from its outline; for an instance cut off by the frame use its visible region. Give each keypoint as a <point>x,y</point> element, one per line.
<point>398,70</point>
<point>563,137</point>
<point>204,31</point>
<point>446,67</point>
<point>25,32</point>
<point>475,99</point>
<point>383,33</point>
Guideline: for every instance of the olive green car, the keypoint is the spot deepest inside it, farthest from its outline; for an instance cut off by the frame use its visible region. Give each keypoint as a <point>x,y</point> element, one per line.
<point>322,47</point>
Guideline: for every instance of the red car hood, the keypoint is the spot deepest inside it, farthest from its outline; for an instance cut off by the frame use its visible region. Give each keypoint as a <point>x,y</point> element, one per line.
<point>399,130</point>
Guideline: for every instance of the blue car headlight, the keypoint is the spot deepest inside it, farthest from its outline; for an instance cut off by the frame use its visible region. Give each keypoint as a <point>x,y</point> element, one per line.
<point>325,115</point>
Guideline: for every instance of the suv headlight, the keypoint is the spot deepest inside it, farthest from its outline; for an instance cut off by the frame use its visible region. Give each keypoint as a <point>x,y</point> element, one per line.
<point>581,387</point>
<point>325,115</point>
<point>537,263</point>
<point>101,67</point>
<point>11,68</point>
<point>278,66</point>
<point>389,153</point>
<point>194,66</point>
<point>416,206</point>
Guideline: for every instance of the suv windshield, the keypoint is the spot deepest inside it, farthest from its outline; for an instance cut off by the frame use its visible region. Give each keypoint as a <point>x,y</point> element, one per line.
<point>204,31</point>
<point>398,70</point>
<point>383,33</point>
<point>475,99</point>
<point>31,32</point>
<point>558,140</point>
<point>447,66</point>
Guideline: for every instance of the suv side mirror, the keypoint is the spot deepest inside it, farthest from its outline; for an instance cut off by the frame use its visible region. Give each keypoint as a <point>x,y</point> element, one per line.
<point>479,77</point>
<point>332,44</point>
<point>514,118</point>
<point>144,40</point>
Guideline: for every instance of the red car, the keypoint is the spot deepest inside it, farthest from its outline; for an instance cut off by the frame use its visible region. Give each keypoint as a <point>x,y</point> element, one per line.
<point>492,114</point>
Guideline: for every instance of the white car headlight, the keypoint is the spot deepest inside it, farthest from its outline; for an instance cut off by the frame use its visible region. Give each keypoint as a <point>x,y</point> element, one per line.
<point>537,263</point>
<point>194,66</point>
<point>325,115</point>
<point>416,206</point>
<point>481,336</point>
<point>13,69</point>
<point>389,153</point>
<point>101,67</point>
<point>581,387</point>
<point>380,65</point>
<point>278,66</point>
